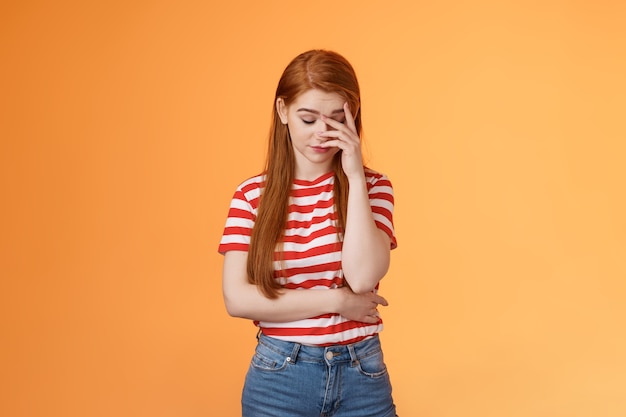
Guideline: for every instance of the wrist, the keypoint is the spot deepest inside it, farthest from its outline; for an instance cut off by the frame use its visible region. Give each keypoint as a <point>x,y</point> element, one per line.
<point>358,178</point>
<point>337,300</point>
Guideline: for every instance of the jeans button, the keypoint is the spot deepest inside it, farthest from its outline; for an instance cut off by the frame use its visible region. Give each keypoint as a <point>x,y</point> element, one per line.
<point>329,355</point>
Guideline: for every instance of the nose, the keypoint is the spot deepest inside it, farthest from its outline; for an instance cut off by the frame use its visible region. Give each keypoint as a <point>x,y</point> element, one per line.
<point>326,126</point>
<point>321,127</point>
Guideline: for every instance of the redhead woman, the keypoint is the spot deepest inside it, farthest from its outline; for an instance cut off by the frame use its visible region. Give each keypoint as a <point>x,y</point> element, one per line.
<point>305,246</point>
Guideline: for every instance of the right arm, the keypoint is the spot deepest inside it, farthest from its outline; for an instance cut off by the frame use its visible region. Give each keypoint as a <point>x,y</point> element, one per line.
<point>244,300</point>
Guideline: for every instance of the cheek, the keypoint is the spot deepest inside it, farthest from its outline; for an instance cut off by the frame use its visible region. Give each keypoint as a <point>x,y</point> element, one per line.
<point>299,130</point>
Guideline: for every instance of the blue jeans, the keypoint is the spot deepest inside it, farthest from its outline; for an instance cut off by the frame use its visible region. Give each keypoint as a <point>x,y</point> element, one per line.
<point>287,379</point>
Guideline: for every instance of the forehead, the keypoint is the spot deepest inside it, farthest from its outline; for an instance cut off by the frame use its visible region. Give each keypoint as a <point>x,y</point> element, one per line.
<point>319,100</point>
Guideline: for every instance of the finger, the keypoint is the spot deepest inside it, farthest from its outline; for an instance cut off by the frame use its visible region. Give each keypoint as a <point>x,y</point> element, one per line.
<point>349,117</point>
<point>334,143</point>
<point>330,134</point>
<point>345,127</point>
<point>341,143</point>
<point>381,300</point>
<point>340,136</point>
<point>332,122</point>
<point>370,319</point>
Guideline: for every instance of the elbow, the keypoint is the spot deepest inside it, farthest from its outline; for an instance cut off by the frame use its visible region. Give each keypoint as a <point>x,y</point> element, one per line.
<point>362,289</point>
<point>365,281</point>
<point>364,285</point>
<point>234,308</point>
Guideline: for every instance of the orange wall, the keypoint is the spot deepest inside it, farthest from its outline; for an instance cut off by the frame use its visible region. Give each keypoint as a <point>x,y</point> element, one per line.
<point>125,128</point>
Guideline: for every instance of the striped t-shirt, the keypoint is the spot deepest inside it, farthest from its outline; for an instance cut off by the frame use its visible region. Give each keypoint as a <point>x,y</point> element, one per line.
<point>311,250</point>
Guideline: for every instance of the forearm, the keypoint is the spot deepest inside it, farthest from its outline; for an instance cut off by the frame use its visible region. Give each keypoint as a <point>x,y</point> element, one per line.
<point>291,305</point>
<point>365,253</point>
<point>245,300</point>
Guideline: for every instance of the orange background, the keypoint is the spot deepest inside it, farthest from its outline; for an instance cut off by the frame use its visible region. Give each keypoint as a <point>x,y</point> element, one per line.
<point>126,126</point>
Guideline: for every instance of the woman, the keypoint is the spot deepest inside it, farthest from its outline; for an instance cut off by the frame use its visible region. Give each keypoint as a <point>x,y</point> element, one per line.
<point>305,245</point>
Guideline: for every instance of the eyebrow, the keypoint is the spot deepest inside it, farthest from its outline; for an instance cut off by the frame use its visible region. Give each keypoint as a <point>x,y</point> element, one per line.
<point>316,112</point>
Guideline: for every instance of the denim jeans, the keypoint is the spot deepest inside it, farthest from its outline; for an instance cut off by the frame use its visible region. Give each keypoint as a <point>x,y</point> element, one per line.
<point>287,379</point>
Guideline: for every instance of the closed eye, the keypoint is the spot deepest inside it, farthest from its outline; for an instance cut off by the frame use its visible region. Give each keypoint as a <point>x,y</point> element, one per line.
<point>308,122</point>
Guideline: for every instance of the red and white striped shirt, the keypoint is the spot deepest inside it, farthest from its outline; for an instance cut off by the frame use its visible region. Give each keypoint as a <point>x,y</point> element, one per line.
<point>311,251</point>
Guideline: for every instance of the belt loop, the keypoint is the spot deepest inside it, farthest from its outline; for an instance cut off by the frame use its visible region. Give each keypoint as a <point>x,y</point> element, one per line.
<point>294,354</point>
<point>353,355</point>
<point>258,334</point>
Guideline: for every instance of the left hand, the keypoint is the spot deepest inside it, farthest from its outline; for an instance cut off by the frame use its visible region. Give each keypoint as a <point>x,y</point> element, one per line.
<point>345,137</point>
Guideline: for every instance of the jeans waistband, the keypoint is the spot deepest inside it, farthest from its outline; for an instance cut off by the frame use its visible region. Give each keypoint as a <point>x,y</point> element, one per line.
<point>330,354</point>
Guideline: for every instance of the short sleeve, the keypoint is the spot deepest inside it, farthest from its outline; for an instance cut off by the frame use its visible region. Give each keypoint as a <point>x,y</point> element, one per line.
<point>240,219</point>
<point>381,199</point>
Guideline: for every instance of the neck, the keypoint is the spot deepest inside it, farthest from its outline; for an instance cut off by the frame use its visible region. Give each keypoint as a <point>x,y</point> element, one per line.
<point>312,173</point>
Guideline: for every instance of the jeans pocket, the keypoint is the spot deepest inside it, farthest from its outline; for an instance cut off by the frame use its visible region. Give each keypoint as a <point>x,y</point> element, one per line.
<point>267,360</point>
<point>372,365</point>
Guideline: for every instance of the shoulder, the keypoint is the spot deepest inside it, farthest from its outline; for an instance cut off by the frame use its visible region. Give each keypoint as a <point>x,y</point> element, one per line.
<point>248,191</point>
<point>375,178</point>
<point>257,181</point>
<point>252,185</point>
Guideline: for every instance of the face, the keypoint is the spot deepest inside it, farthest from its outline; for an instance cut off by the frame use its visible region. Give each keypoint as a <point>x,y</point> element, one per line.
<point>303,118</point>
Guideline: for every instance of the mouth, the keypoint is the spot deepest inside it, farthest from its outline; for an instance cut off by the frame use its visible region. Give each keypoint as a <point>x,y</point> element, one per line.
<point>320,149</point>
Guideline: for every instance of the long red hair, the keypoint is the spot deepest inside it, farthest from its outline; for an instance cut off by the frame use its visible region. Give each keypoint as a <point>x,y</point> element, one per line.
<point>316,69</point>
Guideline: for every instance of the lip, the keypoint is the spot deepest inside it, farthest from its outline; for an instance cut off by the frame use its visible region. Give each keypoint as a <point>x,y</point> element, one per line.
<point>320,149</point>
